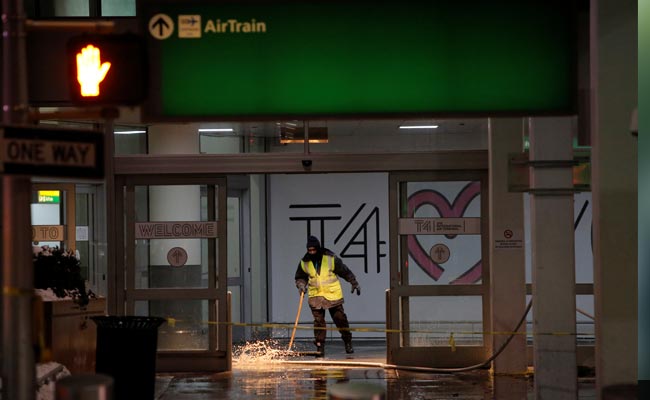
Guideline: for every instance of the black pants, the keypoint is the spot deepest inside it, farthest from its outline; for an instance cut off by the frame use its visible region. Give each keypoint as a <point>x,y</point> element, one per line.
<point>340,319</point>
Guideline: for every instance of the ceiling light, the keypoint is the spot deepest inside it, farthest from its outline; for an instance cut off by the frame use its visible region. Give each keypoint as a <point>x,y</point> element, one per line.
<point>128,132</point>
<point>418,126</point>
<point>216,130</point>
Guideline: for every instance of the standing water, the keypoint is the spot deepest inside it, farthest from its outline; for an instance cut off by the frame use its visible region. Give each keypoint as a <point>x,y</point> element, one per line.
<point>267,370</point>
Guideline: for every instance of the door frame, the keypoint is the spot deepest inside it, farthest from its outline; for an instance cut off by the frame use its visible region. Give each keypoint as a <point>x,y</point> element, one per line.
<point>240,191</point>
<point>218,356</point>
<point>398,315</point>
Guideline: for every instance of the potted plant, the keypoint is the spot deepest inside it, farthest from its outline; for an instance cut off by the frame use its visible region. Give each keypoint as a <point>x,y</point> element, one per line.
<point>60,271</point>
<point>68,335</point>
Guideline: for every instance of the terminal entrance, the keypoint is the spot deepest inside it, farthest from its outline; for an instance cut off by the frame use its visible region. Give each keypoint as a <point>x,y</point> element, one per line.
<point>177,247</point>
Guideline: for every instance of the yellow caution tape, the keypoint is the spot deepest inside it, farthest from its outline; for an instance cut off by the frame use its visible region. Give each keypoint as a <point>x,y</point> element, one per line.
<point>172,322</point>
<point>16,292</point>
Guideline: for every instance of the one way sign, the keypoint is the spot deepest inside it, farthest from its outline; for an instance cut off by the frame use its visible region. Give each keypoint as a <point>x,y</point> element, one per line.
<point>51,152</point>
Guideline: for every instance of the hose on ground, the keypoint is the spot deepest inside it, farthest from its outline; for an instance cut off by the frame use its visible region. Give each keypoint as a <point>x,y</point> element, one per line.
<point>426,369</point>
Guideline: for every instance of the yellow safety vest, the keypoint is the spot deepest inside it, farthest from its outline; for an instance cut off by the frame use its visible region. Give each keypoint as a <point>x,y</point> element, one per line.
<point>325,284</point>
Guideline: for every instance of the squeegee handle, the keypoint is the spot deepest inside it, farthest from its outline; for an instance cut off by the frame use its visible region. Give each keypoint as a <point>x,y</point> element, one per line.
<point>295,325</point>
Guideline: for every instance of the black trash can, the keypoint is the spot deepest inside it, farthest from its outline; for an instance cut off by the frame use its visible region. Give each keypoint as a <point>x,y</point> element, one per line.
<point>126,350</point>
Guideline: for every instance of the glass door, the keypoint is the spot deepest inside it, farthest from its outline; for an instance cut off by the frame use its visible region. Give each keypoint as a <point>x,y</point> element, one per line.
<point>175,251</point>
<point>438,299</point>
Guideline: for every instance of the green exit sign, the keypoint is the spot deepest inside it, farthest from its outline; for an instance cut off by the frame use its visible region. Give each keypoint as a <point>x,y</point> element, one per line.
<point>49,196</point>
<point>354,58</point>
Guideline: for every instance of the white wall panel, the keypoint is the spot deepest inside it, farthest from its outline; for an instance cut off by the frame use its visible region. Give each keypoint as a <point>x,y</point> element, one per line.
<point>345,234</point>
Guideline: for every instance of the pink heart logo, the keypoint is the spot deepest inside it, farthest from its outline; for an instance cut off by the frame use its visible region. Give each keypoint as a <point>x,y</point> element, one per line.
<point>445,210</point>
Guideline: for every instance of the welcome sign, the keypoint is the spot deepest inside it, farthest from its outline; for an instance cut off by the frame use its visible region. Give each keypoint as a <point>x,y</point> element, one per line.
<point>271,59</point>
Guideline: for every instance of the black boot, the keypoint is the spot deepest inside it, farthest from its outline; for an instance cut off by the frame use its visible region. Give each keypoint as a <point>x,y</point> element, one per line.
<point>348,348</point>
<point>320,349</point>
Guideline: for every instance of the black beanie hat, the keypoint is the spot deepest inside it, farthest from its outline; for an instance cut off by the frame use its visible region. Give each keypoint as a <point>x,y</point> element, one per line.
<point>312,241</point>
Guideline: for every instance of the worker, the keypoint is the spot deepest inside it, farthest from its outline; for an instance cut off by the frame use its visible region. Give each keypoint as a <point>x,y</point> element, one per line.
<point>317,275</point>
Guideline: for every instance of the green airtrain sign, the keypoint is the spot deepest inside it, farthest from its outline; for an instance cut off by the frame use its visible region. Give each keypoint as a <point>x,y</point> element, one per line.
<point>354,58</point>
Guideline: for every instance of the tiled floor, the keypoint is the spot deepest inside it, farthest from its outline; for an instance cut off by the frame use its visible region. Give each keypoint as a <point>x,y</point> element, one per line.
<point>285,377</point>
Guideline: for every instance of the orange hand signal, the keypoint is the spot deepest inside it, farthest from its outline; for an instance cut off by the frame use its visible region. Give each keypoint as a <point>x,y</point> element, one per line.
<point>90,71</point>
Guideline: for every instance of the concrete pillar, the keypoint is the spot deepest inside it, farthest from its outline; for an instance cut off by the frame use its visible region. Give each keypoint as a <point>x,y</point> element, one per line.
<point>614,189</point>
<point>174,203</point>
<point>507,262</point>
<point>553,265</point>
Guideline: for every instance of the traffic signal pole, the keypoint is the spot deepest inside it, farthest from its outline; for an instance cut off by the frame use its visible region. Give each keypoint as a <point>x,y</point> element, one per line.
<point>17,373</point>
<point>18,365</point>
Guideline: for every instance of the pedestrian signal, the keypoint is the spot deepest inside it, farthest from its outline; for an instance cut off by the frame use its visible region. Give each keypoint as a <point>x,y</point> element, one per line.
<point>107,69</point>
<point>90,70</point>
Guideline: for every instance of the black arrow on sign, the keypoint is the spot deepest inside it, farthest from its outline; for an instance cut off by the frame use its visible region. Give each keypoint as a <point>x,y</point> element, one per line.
<point>177,255</point>
<point>161,24</point>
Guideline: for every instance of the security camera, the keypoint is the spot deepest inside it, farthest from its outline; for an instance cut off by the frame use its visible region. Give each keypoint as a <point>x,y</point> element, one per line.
<point>306,163</point>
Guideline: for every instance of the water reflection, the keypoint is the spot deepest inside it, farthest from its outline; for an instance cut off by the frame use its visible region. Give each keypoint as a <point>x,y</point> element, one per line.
<point>322,378</point>
<point>293,382</point>
<point>511,388</point>
<point>261,371</point>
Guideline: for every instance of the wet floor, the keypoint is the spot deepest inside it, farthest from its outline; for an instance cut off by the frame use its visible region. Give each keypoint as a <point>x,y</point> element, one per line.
<point>280,376</point>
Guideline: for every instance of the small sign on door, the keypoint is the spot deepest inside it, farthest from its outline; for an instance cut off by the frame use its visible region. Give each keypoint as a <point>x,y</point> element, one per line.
<point>177,256</point>
<point>47,233</point>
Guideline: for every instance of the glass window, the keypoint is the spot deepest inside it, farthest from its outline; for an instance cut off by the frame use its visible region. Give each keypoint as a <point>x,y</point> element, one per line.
<point>343,136</point>
<point>118,8</point>
<point>435,318</point>
<point>585,327</point>
<point>234,258</point>
<point>71,8</point>
<point>583,243</point>
<point>445,259</point>
<point>190,330</point>
<point>174,262</point>
<point>130,140</point>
